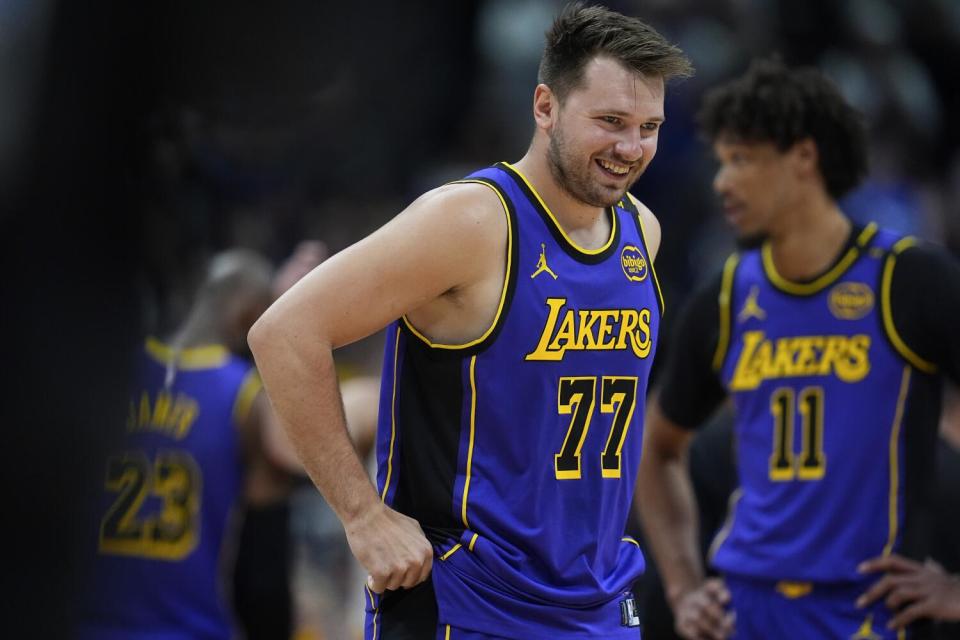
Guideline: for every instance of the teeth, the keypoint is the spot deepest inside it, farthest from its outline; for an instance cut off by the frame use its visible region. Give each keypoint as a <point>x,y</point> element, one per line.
<point>614,168</point>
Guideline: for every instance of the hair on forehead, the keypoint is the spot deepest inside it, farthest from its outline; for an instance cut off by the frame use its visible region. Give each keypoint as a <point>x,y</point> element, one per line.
<point>581,33</point>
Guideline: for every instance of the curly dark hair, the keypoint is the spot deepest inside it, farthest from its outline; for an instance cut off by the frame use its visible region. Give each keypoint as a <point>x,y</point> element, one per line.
<point>772,103</point>
<point>582,32</point>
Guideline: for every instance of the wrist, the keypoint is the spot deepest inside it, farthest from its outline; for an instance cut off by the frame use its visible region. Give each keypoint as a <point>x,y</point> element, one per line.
<point>676,593</point>
<point>361,510</point>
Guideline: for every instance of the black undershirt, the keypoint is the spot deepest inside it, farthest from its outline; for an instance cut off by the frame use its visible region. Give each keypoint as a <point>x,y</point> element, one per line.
<point>925,303</point>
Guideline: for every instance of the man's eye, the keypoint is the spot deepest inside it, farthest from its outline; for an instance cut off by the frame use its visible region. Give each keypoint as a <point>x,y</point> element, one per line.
<point>651,126</point>
<point>611,119</point>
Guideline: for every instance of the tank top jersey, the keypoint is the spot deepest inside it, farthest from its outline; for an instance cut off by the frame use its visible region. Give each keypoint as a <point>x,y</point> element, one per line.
<point>819,387</point>
<point>168,495</point>
<point>517,452</point>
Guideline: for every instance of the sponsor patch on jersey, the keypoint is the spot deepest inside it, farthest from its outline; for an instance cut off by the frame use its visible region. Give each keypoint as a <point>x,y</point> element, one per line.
<point>850,300</point>
<point>633,263</point>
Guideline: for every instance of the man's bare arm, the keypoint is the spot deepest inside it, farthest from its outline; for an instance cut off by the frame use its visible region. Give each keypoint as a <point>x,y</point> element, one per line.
<point>668,513</point>
<point>446,240</point>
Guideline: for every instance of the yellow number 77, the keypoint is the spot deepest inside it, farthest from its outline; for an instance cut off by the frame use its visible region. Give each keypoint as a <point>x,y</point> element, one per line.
<point>576,396</point>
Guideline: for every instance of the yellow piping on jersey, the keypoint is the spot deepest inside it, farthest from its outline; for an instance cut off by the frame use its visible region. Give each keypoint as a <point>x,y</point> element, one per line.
<point>553,218</point>
<point>726,292</point>
<point>249,389</point>
<point>630,540</point>
<point>446,635</point>
<point>375,609</point>
<point>887,311</point>
<point>808,288</point>
<point>452,551</point>
<point>473,542</point>
<point>473,421</point>
<point>393,419</point>
<point>895,459</point>
<point>191,358</point>
<point>646,245</point>
<point>503,291</point>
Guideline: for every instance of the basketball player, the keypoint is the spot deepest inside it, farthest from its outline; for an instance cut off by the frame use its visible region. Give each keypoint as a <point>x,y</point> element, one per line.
<point>200,435</point>
<point>523,311</point>
<point>831,340</point>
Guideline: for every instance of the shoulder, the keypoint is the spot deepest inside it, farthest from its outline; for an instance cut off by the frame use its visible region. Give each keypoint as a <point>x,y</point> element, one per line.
<point>651,226</point>
<point>459,203</point>
<point>917,259</point>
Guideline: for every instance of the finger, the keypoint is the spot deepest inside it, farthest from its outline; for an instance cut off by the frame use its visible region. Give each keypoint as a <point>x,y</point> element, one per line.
<point>892,562</point>
<point>915,611</point>
<point>718,591</point>
<point>710,621</point>
<point>901,595</point>
<point>877,591</point>
<point>426,568</point>
<point>729,624</point>
<point>377,586</point>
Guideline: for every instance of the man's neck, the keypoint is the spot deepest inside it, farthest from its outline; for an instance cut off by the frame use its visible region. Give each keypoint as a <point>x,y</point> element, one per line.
<point>200,329</point>
<point>809,241</point>
<point>585,224</point>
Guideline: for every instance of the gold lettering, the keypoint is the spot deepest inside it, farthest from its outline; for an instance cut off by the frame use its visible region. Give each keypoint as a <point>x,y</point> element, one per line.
<point>642,345</point>
<point>161,410</point>
<point>855,365</point>
<point>605,329</point>
<point>591,330</point>
<point>781,364</point>
<point>628,322</point>
<point>188,413</point>
<point>747,374</point>
<point>144,420</point>
<point>542,352</point>
<point>807,347</point>
<point>567,332</point>
<point>585,338</point>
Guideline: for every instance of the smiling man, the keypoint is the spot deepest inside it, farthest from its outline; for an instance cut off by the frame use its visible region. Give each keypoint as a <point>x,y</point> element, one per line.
<point>523,311</point>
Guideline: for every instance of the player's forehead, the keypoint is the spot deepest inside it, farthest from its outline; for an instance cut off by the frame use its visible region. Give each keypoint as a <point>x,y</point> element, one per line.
<point>609,85</point>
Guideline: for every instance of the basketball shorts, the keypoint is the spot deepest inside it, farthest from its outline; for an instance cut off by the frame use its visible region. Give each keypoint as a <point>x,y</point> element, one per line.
<point>767,609</point>
<point>411,614</point>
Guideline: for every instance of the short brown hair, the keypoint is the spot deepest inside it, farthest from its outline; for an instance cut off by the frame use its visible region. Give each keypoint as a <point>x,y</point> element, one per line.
<point>580,33</point>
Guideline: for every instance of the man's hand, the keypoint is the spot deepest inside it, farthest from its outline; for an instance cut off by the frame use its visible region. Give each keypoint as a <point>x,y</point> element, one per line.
<point>391,547</point>
<point>701,614</point>
<point>912,589</point>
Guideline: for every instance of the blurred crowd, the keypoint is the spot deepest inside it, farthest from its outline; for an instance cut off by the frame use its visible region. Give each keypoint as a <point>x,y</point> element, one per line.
<point>137,142</point>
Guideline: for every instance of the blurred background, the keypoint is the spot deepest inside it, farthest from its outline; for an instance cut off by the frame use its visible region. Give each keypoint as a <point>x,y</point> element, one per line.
<point>137,139</point>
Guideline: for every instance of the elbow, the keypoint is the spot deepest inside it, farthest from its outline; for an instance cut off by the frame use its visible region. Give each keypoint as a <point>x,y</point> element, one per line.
<point>261,335</point>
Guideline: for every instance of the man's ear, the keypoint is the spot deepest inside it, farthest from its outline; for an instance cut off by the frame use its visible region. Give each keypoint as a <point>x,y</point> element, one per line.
<point>546,107</point>
<point>805,157</point>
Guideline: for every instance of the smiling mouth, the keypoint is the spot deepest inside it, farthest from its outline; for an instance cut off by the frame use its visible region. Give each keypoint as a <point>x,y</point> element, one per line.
<point>612,168</point>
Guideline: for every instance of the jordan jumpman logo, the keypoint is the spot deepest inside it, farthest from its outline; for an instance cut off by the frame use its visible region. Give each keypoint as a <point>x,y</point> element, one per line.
<point>542,263</point>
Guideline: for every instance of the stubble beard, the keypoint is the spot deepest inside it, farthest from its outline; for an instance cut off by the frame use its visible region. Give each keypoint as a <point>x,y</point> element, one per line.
<point>578,184</point>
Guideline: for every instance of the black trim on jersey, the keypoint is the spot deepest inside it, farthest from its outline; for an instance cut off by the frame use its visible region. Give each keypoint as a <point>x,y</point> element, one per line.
<point>428,420</point>
<point>511,284</point>
<point>569,249</point>
<point>631,208</point>
<point>857,244</point>
<point>921,421</point>
<point>925,303</point>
